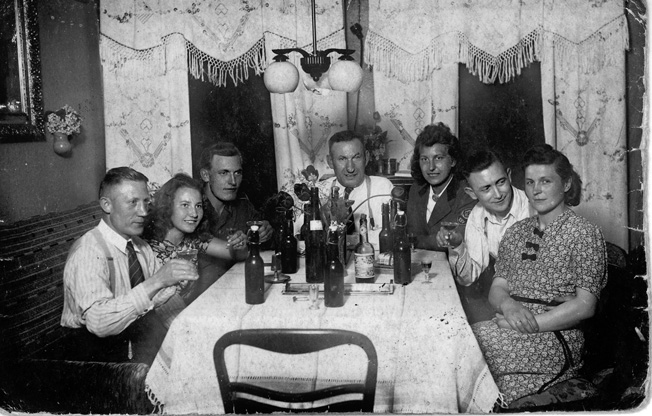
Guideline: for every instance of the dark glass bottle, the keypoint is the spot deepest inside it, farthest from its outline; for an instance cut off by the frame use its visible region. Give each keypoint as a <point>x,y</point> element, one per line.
<point>305,227</point>
<point>402,252</point>
<point>254,270</point>
<point>334,279</point>
<point>386,241</point>
<point>315,246</point>
<point>289,245</point>
<point>364,255</point>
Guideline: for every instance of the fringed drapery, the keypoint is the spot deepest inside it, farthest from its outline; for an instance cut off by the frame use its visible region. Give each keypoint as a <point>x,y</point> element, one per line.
<point>221,42</point>
<point>415,46</point>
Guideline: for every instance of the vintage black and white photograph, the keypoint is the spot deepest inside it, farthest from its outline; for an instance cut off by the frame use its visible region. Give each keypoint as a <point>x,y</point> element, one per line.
<point>310,206</point>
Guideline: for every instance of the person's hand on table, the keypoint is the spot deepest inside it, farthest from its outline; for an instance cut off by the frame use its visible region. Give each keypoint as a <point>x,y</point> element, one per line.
<point>447,238</point>
<point>265,231</point>
<point>517,317</point>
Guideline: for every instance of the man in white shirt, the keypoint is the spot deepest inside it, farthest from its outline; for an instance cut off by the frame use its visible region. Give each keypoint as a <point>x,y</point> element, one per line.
<point>500,205</point>
<point>112,281</point>
<point>348,158</point>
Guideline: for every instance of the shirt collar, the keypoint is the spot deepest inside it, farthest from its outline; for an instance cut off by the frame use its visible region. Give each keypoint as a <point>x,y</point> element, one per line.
<point>438,195</point>
<point>116,239</point>
<point>515,208</point>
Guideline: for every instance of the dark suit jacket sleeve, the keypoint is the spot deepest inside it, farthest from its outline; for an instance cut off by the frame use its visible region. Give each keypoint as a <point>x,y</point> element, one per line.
<point>459,209</point>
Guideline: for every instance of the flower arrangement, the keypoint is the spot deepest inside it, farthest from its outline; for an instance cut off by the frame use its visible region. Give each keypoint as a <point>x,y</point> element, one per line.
<point>65,120</point>
<point>375,142</point>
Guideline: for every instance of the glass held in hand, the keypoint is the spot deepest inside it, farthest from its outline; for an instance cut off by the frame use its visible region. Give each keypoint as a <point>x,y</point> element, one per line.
<point>188,253</point>
<point>449,227</point>
<point>313,296</point>
<point>277,276</point>
<point>426,264</point>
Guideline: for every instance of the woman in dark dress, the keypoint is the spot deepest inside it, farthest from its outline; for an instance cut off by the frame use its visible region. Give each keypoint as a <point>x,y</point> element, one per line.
<point>556,256</point>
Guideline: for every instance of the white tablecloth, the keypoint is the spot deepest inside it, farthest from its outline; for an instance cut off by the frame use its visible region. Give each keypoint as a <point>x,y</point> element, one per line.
<point>428,358</point>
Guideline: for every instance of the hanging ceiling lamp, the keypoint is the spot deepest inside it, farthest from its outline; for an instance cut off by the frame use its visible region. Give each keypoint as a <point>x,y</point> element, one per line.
<point>282,76</point>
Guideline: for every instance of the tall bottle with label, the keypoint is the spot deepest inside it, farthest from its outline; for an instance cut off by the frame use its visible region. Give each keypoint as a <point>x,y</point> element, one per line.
<point>364,255</point>
<point>315,245</point>
<point>334,279</point>
<point>402,252</point>
<point>385,237</point>
<point>254,270</point>
<point>289,245</point>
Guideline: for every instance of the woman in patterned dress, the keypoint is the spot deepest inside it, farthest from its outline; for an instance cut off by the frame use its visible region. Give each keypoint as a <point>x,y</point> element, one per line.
<point>175,223</point>
<point>554,257</point>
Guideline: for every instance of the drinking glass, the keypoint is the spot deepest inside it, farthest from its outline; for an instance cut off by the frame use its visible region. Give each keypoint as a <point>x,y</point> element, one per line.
<point>277,276</point>
<point>412,238</point>
<point>313,296</point>
<point>449,226</point>
<point>188,253</point>
<point>426,264</point>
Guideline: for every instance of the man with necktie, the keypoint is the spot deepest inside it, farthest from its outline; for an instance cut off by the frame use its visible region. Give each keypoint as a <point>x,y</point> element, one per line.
<point>348,158</point>
<point>111,281</point>
<point>472,256</point>
<point>437,194</point>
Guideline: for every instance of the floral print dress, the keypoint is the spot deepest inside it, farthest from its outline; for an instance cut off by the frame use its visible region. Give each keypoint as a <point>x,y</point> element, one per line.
<point>165,251</point>
<point>568,254</point>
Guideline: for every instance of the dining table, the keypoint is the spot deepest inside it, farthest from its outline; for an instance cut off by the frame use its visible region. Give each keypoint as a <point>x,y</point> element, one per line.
<point>428,358</point>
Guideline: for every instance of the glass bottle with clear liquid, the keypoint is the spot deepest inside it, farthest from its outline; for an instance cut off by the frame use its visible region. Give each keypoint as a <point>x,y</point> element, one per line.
<point>386,241</point>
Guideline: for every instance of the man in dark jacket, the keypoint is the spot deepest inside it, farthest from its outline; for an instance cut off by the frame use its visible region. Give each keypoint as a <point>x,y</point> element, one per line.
<point>437,194</point>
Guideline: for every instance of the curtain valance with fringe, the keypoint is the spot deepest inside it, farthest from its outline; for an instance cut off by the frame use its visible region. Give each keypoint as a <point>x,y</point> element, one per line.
<point>222,39</point>
<point>495,39</point>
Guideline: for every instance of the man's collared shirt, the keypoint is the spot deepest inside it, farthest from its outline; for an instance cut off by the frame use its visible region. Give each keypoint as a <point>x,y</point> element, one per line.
<point>379,186</point>
<point>484,231</point>
<point>88,299</point>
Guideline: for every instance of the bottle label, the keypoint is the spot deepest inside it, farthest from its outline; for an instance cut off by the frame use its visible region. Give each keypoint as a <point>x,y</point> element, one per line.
<point>316,225</point>
<point>364,266</point>
<point>363,229</point>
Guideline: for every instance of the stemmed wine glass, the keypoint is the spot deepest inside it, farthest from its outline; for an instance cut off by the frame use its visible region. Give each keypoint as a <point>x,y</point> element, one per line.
<point>426,264</point>
<point>412,239</point>
<point>313,296</point>
<point>449,226</point>
<point>277,276</point>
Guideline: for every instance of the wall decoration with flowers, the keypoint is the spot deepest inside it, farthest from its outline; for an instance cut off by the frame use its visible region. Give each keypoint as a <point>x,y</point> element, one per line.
<point>62,124</point>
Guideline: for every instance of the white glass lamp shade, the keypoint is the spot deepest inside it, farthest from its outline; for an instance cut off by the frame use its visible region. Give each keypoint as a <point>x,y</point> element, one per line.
<point>345,76</point>
<point>281,77</point>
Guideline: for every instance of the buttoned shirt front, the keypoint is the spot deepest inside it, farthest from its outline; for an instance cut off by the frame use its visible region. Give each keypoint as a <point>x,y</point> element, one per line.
<point>88,298</point>
<point>378,186</point>
<point>484,231</point>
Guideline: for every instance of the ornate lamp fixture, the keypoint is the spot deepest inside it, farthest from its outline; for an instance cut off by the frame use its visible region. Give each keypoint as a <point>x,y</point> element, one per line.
<point>282,76</point>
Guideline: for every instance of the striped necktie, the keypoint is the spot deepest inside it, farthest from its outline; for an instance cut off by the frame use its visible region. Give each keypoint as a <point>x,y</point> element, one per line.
<point>350,224</point>
<point>135,271</point>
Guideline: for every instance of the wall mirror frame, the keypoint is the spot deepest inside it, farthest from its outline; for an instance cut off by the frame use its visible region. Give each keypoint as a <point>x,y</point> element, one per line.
<point>21,96</point>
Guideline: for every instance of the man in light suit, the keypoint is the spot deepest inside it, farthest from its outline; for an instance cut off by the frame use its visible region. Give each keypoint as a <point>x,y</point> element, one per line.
<point>437,194</point>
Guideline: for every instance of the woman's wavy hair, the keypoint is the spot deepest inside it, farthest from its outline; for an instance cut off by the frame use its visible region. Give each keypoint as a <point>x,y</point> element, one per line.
<point>431,135</point>
<point>544,154</point>
<point>159,220</point>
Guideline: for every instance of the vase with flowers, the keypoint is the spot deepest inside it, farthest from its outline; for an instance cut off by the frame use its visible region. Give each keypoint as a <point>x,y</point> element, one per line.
<point>63,123</point>
<point>375,143</point>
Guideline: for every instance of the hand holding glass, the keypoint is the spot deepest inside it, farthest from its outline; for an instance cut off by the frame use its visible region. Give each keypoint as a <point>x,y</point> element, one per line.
<point>449,226</point>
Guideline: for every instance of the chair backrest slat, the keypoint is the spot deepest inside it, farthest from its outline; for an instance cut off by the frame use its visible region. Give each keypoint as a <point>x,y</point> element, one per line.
<point>293,342</point>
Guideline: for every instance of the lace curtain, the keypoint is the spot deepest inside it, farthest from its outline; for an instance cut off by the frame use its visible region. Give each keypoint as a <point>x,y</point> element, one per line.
<point>149,46</point>
<point>414,47</point>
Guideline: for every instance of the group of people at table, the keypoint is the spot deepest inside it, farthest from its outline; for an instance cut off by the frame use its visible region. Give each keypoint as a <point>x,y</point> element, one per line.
<point>528,268</point>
